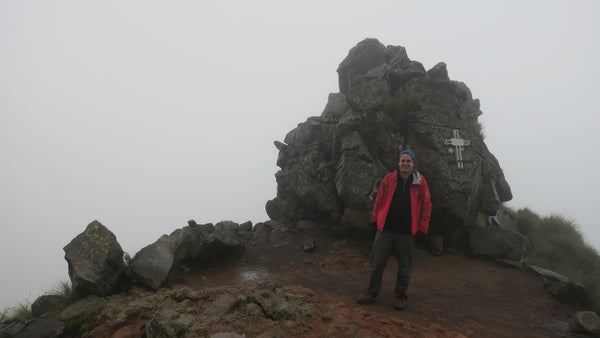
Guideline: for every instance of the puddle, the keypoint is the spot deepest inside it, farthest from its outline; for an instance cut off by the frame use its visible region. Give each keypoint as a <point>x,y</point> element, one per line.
<point>227,335</point>
<point>254,276</point>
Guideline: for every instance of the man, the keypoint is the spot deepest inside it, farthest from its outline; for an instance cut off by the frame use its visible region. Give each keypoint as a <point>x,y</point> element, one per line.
<point>402,210</point>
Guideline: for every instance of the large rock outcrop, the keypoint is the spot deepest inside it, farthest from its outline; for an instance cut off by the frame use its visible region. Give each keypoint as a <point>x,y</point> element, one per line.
<point>332,164</point>
<point>160,262</point>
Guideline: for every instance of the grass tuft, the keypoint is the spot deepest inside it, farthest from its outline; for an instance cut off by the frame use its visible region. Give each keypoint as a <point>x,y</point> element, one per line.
<point>67,295</point>
<point>19,311</point>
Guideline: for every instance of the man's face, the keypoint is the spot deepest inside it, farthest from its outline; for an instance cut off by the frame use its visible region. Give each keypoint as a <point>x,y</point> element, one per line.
<point>406,165</point>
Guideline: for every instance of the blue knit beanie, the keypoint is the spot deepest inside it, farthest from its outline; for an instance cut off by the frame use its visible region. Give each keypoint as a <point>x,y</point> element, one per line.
<point>409,153</point>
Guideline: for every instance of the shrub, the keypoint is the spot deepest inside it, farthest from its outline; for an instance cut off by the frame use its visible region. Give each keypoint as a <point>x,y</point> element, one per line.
<point>528,221</point>
<point>559,246</point>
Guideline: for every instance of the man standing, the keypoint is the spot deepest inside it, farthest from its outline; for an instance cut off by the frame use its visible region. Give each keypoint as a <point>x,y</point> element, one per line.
<point>402,210</point>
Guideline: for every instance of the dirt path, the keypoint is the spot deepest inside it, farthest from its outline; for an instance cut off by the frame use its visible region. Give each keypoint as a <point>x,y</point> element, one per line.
<point>452,295</point>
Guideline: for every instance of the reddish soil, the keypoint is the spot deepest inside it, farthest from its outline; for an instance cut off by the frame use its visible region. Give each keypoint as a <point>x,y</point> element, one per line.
<point>450,295</point>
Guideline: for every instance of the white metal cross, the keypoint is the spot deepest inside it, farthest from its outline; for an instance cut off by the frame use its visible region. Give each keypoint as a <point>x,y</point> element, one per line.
<point>458,144</point>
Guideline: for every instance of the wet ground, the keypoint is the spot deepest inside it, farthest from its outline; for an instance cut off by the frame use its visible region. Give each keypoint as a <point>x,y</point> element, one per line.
<point>450,294</point>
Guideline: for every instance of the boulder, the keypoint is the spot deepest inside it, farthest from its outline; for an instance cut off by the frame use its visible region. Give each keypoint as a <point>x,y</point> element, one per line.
<point>246,226</point>
<point>561,287</point>
<point>44,304</point>
<point>505,220</point>
<point>161,261</point>
<point>499,243</point>
<point>331,165</point>
<point>95,260</point>
<point>152,264</point>
<point>262,233</point>
<point>586,322</point>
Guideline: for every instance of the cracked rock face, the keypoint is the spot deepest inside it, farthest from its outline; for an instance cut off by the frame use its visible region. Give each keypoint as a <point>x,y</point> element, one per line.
<point>332,164</point>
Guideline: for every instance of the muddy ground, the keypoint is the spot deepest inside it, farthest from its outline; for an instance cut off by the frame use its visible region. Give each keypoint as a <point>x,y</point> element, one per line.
<point>451,295</point>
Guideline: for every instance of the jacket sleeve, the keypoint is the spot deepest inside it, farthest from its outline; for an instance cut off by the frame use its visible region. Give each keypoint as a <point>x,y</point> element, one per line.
<point>378,201</point>
<point>425,207</point>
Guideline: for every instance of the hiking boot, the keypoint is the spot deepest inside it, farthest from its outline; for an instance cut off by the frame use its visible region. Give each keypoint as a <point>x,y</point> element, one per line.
<point>367,298</point>
<point>399,303</point>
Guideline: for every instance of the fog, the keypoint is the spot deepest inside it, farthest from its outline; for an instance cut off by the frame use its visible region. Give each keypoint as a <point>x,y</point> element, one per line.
<point>146,114</point>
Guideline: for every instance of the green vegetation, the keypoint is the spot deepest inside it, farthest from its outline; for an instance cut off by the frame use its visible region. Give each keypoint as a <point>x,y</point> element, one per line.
<point>398,107</point>
<point>65,296</point>
<point>481,220</point>
<point>20,311</point>
<point>559,246</point>
<point>127,258</point>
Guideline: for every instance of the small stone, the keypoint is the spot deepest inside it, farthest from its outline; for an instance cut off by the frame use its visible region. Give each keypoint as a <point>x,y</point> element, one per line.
<point>309,245</point>
<point>586,322</point>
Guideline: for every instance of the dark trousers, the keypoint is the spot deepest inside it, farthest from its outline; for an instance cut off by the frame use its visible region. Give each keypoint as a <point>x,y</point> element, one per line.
<point>385,245</point>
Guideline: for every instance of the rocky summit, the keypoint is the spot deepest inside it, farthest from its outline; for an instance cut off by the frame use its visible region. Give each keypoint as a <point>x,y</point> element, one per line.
<point>332,164</point>
<point>294,275</point>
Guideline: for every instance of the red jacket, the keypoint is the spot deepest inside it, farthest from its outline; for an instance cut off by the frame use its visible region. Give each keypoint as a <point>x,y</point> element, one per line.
<point>420,201</point>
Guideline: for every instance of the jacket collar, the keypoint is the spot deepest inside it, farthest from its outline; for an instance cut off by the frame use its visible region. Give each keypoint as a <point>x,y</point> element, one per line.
<point>416,176</point>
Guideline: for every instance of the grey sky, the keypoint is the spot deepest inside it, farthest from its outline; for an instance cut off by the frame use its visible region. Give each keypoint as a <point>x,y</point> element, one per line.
<point>145,114</point>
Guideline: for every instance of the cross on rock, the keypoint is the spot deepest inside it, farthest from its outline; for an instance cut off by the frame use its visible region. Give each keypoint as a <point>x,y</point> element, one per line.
<point>458,144</point>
